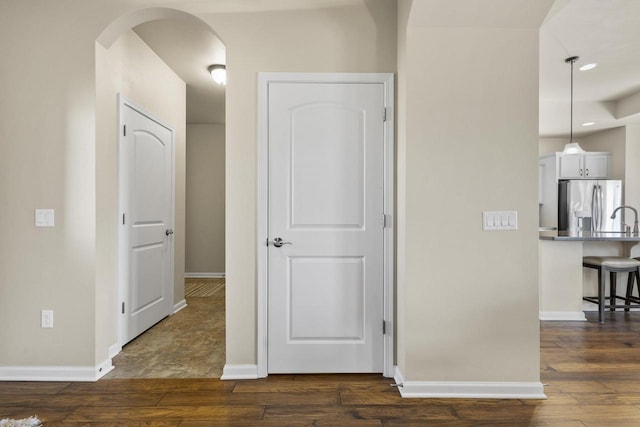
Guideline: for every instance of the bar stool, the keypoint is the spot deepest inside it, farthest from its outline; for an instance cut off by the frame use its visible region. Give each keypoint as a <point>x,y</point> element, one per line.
<point>629,297</point>
<point>613,265</point>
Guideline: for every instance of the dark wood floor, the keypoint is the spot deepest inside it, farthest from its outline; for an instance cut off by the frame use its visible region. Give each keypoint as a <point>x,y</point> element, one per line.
<point>592,373</point>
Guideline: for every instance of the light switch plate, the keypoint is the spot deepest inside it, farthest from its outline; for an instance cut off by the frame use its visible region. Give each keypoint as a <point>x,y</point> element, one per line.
<point>45,217</point>
<point>499,220</point>
<point>46,319</point>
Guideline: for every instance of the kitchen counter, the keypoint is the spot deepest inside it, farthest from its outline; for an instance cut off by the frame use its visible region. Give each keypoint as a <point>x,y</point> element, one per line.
<point>563,281</point>
<point>584,236</point>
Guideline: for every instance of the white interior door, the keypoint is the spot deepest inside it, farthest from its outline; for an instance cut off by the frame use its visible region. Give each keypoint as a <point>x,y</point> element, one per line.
<point>326,197</point>
<point>146,168</point>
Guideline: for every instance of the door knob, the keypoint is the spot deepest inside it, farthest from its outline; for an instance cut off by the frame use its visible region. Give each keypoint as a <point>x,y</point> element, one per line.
<point>168,232</point>
<point>278,242</point>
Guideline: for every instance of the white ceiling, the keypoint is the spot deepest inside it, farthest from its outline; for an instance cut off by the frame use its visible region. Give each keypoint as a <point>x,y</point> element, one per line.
<point>602,31</point>
<point>188,50</point>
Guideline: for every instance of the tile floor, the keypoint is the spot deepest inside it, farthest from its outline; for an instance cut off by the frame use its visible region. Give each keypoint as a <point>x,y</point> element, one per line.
<point>188,344</point>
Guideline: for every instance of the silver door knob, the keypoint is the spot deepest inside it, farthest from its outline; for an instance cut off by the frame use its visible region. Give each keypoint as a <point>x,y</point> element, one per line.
<point>278,242</point>
<point>168,232</point>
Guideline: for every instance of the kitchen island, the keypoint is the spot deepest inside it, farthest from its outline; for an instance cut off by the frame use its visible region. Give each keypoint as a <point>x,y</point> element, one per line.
<point>563,281</point>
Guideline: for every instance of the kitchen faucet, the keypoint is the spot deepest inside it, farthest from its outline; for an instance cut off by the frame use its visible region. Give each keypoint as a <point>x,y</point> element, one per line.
<point>635,223</point>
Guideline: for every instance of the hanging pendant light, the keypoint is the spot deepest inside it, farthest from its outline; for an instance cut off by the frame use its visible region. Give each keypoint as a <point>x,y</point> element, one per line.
<point>572,147</point>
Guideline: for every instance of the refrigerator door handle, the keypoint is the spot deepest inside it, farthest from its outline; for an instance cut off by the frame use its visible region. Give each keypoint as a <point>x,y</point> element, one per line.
<point>594,202</point>
<point>599,208</point>
<point>594,208</point>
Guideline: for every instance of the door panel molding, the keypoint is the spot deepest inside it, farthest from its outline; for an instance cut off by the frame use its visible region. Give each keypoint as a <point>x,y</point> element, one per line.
<point>148,227</point>
<point>264,80</point>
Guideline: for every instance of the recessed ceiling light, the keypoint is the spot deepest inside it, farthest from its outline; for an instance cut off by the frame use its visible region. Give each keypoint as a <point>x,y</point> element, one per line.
<point>589,124</point>
<point>588,66</point>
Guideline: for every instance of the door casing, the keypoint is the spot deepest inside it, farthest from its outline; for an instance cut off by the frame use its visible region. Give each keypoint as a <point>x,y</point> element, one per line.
<point>264,79</point>
<point>123,207</point>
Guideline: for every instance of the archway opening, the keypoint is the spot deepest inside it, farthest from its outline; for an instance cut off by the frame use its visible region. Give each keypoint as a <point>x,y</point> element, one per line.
<point>158,58</point>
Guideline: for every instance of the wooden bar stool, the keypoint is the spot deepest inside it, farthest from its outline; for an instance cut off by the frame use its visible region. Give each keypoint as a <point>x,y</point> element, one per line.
<point>613,265</point>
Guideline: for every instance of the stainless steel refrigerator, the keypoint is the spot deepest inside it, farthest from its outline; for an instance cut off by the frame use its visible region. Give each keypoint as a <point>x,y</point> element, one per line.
<point>587,205</point>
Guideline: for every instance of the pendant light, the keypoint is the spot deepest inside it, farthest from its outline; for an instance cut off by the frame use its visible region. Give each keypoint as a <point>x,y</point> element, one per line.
<point>572,147</point>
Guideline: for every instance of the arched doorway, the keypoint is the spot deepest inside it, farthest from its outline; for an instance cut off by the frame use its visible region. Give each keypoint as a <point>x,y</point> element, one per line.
<point>136,58</point>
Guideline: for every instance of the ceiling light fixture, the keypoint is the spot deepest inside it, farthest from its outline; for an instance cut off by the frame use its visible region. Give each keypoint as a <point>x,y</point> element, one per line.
<point>588,66</point>
<point>218,73</point>
<point>589,124</point>
<point>572,147</point>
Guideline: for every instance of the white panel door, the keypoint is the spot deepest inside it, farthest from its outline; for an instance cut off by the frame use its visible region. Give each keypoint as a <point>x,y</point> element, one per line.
<point>147,196</point>
<point>325,289</point>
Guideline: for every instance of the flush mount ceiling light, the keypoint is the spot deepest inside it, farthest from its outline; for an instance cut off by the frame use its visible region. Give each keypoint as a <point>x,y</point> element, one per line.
<point>218,73</point>
<point>572,147</point>
<point>588,66</point>
<point>588,124</point>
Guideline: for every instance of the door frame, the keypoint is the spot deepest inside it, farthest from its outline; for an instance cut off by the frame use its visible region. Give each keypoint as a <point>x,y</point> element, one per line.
<point>123,270</point>
<point>264,79</point>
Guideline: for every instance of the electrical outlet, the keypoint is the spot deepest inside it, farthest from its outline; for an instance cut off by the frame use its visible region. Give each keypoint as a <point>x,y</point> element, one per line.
<point>46,319</point>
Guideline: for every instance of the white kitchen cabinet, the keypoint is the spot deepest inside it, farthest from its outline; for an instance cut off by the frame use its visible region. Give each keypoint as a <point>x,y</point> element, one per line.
<point>556,166</point>
<point>597,166</point>
<point>583,166</point>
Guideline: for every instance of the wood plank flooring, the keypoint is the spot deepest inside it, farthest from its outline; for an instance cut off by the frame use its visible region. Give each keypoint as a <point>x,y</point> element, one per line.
<point>592,373</point>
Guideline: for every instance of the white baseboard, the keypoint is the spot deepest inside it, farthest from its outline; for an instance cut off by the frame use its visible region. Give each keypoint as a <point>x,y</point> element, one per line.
<point>114,350</point>
<point>239,372</point>
<point>563,315</point>
<point>104,368</point>
<point>204,275</point>
<point>55,373</point>
<point>179,306</point>
<point>469,389</point>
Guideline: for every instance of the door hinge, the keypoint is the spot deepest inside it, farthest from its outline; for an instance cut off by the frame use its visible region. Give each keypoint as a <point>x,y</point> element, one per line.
<point>384,327</point>
<point>123,217</point>
<point>124,130</point>
<point>122,307</point>
<point>384,114</point>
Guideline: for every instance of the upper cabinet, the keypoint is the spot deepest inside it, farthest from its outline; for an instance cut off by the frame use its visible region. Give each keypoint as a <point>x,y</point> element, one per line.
<point>583,166</point>
<point>555,166</point>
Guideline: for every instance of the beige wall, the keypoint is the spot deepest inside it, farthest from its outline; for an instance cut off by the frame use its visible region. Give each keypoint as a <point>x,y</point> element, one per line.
<point>205,199</point>
<point>471,297</point>
<point>404,11</point>
<point>48,161</point>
